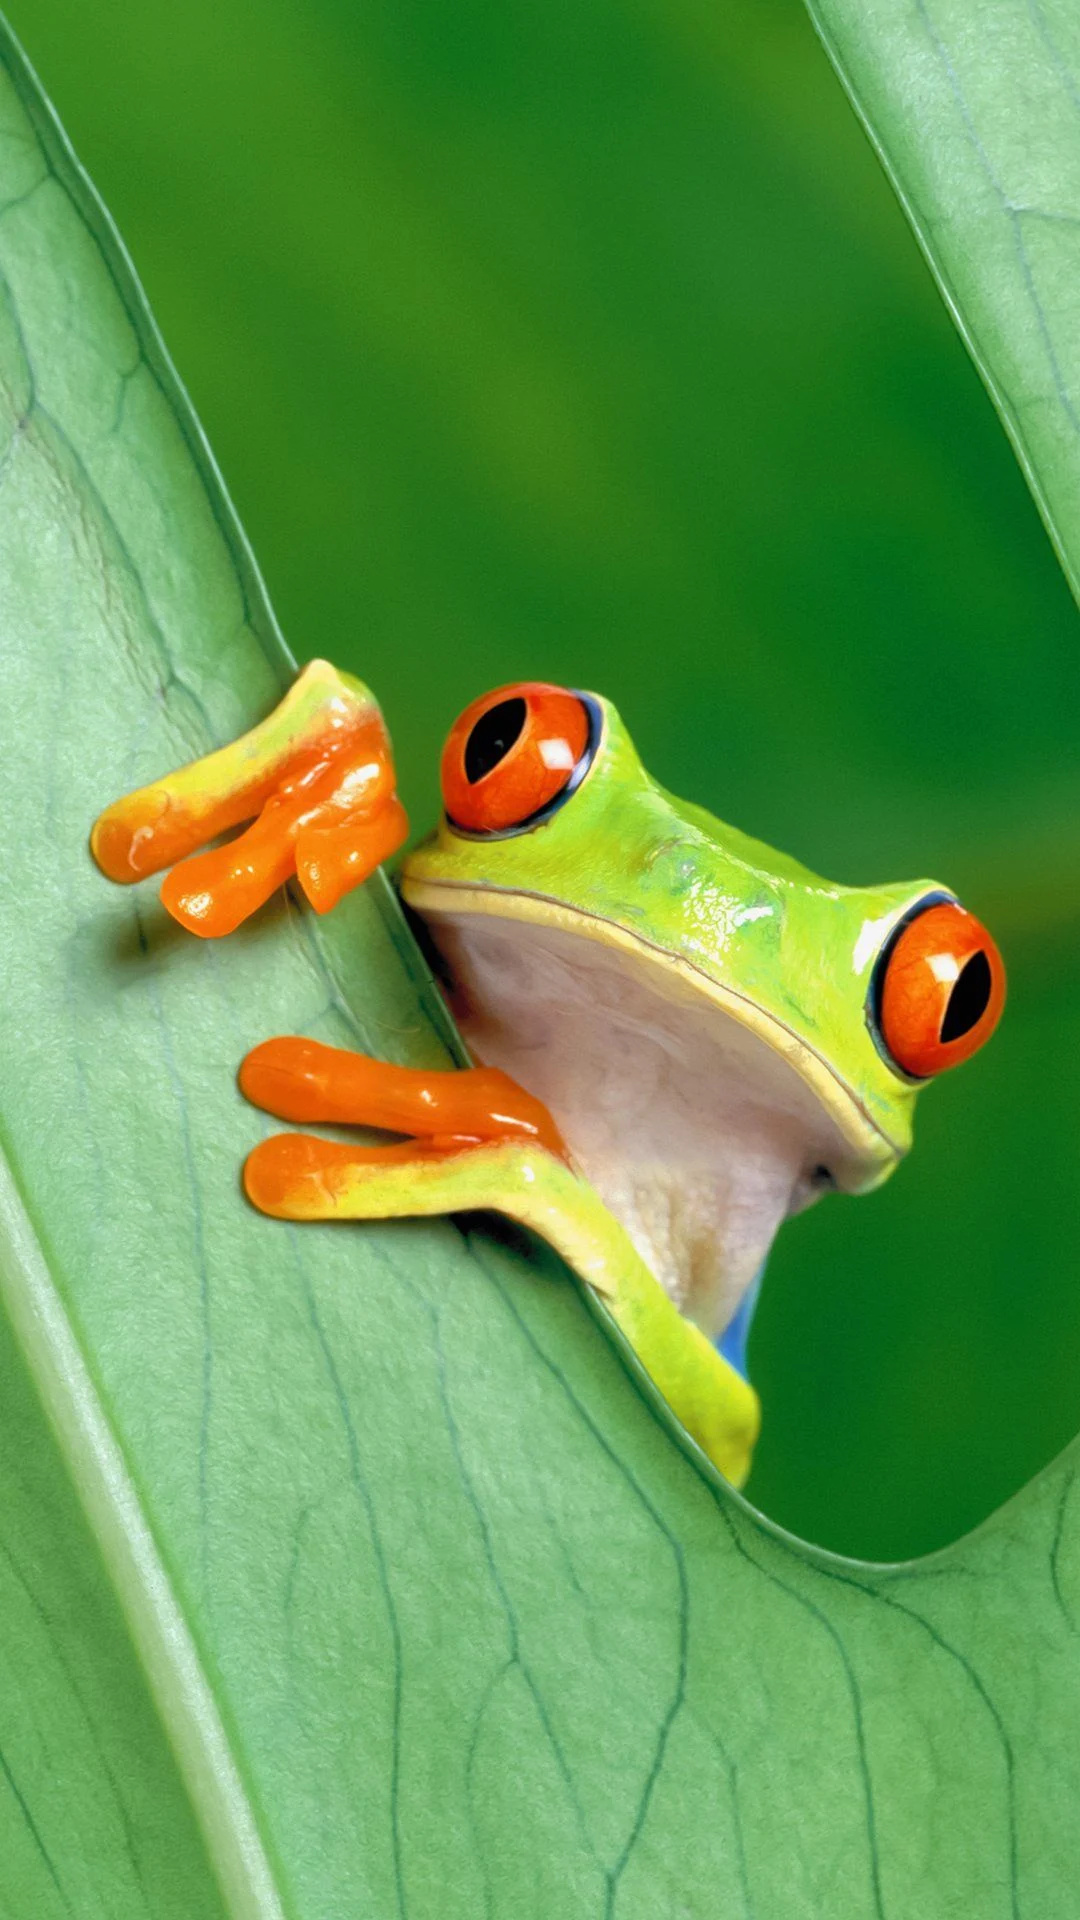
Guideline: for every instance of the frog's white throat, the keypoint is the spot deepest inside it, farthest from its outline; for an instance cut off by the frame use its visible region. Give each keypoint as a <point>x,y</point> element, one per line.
<point>699,1135</point>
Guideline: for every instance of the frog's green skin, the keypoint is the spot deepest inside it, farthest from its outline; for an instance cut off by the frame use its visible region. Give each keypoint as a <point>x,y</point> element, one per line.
<point>690,1007</point>
<point>693,1009</point>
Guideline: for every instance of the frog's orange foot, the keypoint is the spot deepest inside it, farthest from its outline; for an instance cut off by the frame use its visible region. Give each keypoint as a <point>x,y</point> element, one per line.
<point>465,1127</point>
<point>319,776</point>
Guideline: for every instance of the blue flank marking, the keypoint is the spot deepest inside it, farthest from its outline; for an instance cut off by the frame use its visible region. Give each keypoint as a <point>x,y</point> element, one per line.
<point>732,1342</point>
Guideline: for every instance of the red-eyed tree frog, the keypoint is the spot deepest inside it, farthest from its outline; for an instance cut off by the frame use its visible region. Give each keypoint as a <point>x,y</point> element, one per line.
<point>684,1036</point>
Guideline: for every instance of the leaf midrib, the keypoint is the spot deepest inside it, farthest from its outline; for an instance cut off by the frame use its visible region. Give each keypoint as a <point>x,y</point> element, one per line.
<point>160,1632</point>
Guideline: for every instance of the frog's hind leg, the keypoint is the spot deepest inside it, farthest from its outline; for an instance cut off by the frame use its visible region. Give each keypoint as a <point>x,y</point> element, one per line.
<point>317,780</point>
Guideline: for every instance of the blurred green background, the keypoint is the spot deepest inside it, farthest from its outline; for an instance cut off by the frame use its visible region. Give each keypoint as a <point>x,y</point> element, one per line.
<point>587,342</point>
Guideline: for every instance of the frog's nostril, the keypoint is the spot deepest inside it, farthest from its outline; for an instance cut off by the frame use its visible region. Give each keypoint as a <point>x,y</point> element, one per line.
<point>969,998</point>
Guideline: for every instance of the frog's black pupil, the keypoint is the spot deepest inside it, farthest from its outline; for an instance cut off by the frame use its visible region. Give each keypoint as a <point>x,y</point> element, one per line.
<point>969,998</point>
<point>492,738</point>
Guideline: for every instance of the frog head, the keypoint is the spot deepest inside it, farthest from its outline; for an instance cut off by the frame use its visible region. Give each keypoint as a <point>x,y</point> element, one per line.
<point>721,1035</point>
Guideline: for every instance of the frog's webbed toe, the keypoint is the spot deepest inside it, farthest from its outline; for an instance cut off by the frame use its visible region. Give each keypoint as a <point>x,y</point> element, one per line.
<point>295,1176</point>
<point>468,1127</point>
<point>316,779</point>
<point>303,1080</point>
<point>477,1135</point>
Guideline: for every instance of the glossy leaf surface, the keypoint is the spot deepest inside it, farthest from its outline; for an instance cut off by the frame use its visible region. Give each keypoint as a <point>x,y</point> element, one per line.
<point>434,1613</point>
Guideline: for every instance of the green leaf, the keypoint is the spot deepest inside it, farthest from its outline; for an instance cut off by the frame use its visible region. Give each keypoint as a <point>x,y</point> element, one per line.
<point>975,114</point>
<point>363,1547</point>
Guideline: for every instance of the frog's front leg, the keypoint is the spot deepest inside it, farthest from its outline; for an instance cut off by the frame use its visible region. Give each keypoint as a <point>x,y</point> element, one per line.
<point>319,776</point>
<point>481,1143</point>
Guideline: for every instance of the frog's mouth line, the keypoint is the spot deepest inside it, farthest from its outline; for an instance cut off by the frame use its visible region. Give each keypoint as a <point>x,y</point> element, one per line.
<point>873,1149</point>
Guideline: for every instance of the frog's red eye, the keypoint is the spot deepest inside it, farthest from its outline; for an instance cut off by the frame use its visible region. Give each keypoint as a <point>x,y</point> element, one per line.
<point>514,754</point>
<point>939,990</point>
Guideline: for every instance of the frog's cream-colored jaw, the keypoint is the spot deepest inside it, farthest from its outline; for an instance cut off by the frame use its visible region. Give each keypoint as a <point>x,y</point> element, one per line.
<point>701,1120</point>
